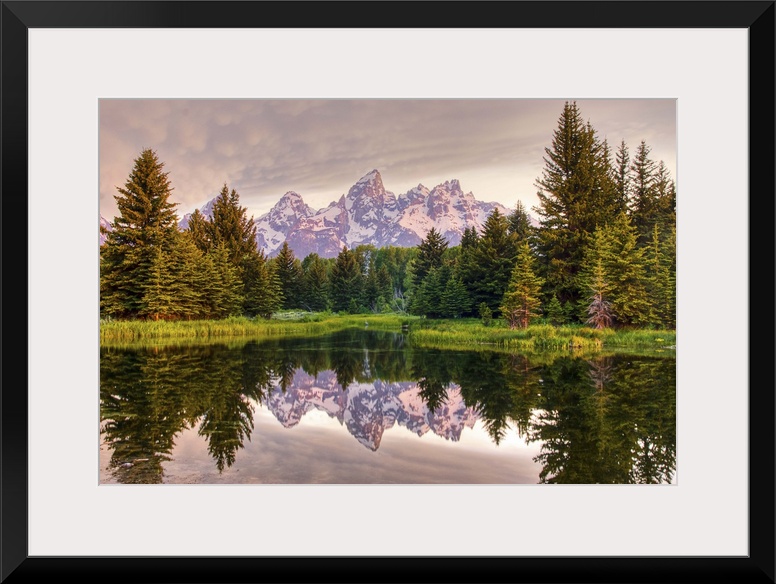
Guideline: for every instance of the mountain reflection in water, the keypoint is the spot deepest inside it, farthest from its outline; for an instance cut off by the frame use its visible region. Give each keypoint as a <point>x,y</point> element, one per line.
<point>368,409</point>
<point>595,419</point>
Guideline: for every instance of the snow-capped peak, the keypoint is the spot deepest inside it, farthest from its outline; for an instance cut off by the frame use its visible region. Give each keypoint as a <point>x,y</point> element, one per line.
<point>291,196</point>
<point>368,214</point>
<point>370,185</point>
<point>371,176</point>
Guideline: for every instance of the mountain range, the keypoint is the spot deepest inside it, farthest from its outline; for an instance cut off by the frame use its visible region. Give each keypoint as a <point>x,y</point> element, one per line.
<point>367,214</point>
<point>367,410</point>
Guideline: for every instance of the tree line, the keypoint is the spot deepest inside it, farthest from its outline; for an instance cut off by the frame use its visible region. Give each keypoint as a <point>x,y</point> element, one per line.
<point>604,252</point>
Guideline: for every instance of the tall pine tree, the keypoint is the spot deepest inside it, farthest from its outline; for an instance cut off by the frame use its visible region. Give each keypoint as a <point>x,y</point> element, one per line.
<point>289,271</point>
<point>493,259</point>
<point>644,200</point>
<point>230,227</point>
<point>430,252</point>
<point>521,300</point>
<point>316,283</point>
<point>622,177</point>
<point>142,239</point>
<point>262,293</point>
<point>615,267</point>
<point>662,279</point>
<point>346,282</point>
<point>520,223</point>
<point>576,194</point>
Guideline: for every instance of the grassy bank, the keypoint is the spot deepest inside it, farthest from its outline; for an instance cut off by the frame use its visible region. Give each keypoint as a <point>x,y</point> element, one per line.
<point>445,334</point>
<point>286,324</point>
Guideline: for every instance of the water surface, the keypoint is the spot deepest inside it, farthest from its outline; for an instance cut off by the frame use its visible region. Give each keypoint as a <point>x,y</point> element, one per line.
<point>360,407</point>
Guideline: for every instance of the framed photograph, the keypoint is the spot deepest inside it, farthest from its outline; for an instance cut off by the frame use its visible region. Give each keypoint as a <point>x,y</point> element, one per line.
<point>220,95</point>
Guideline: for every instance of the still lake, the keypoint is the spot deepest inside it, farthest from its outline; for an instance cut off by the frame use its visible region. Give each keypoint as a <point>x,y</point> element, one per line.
<point>358,407</point>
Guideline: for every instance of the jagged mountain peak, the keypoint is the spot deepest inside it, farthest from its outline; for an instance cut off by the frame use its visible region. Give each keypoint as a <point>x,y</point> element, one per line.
<point>370,185</point>
<point>371,176</point>
<point>291,196</point>
<point>449,185</point>
<point>292,203</point>
<point>368,214</point>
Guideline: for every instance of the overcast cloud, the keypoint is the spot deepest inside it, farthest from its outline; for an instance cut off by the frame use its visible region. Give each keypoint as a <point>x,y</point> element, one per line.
<point>320,148</point>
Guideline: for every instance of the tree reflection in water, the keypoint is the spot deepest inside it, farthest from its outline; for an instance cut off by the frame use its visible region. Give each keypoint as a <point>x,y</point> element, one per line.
<point>601,419</point>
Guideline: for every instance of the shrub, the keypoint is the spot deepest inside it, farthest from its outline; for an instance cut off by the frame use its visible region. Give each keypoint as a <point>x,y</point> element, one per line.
<point>486,314</point>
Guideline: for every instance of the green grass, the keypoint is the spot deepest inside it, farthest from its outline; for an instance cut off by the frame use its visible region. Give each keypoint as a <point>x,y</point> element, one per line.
<point>444,334</point>
<point>299,324</point>
<point>449,334</point>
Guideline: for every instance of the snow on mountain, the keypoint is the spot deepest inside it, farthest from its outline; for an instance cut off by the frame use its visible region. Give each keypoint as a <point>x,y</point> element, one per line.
<point>447,209</point>
<point>368,214</point>
<point>206,210</point>
<point>322,232</point>
<point>367,410</point>
<point>107,225</point>
<point>274,227</point>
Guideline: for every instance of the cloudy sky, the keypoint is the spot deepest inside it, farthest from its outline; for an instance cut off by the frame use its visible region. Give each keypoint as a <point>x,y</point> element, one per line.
<point>320,148</point>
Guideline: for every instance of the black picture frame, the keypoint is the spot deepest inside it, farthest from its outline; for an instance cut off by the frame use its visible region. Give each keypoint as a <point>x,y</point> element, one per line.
<point>19,16</point>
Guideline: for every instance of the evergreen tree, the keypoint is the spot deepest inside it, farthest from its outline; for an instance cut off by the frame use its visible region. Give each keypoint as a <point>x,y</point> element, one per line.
<point>395,260</point>
<point>455,300</point>
<point>665,200</point>
<point>622,179</point>
<point>428,297</point>
<point>492,261</point>
<point>430,252</point>
<point>230,227</point>
<point>630,301</point>
<point>519,223</point>
<point>384,287</point>
<point>605,204</point>
<point>465,266</point>
<point>422,301</point>
<point>576,194</point>
<point>262,293</point>
<point>615,269</point>
<point>469,239</point>
<point>290,274</point>
<point>597,257</point>
<point>644,201</point>
<point>199,231</point>
<point>316,283</point>
<point>486,314</point>
<point>599,309</point>
<point>662,280</point>
<point>669,255</point>
<point>193,278</point>
<point>131,256</point>
<point>229,241</point>
<point>158,299</point>
<point>521,300</point>
<point>555,313</point>
<point>346,281</point>
<point>225,289</point>
<point>371,290</point>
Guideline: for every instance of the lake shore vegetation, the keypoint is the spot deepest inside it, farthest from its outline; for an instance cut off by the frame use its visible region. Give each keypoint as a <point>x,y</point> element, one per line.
<point>453,334</point>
